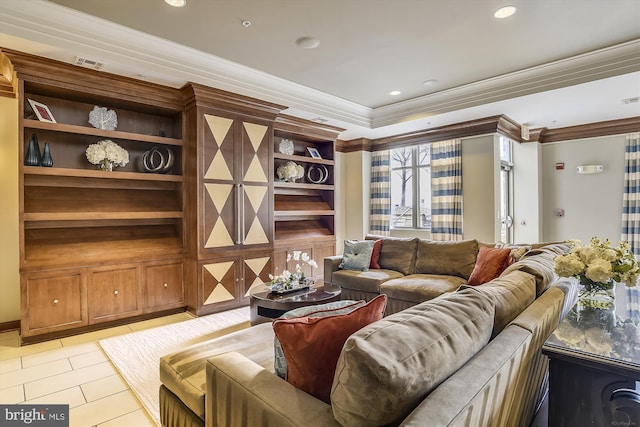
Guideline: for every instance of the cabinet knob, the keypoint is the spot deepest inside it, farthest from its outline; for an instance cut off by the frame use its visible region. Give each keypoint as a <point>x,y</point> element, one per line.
<point>115,292</point>
<point>55,301</point>
<point>166,285</point>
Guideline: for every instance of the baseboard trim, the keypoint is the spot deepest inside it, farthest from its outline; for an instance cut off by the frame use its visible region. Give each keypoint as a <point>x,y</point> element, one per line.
<point>10,326</point>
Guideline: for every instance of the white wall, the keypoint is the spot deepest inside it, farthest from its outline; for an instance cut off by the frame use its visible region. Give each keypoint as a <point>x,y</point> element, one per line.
<point>592,203</point>
<point>9,223</point>
<point>527,197</point>
<point>353,192</point>
<point>478,185</point>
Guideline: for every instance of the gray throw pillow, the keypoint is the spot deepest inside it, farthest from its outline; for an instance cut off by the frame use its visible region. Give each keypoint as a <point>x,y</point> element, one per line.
<point>321,310</point>
<point>357,254</point>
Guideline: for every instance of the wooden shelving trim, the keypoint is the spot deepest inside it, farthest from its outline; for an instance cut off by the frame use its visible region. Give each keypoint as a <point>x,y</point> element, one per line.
<point>297,158</point>
<point>114,134</point>
<point>88,173</point>
<point>316,212</point>
<point>83,216</point>
<point>282,184</point>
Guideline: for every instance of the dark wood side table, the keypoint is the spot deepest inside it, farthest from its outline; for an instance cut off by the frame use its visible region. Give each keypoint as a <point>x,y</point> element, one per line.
<point>266,306</point>
<point>594,365</point>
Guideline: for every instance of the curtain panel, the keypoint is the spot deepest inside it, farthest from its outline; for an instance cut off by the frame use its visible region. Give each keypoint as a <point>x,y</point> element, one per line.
<point>446,190</point>
<point>380,205</point>
<point>631,197</point>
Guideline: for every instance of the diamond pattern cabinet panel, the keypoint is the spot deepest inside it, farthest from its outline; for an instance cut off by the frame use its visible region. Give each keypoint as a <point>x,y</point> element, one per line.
<point>256,272</point>
<point>235,194</point>
<point>219,279</point>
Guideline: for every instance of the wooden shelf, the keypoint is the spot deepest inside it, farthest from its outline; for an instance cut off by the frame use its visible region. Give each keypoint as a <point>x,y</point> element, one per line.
<point>282,184</point>
<point>306,159</point>
<point>111,134</point>
<point>301,230</point>
<point>89,173</point>
<point>290,213</point>
<point>80,216</point>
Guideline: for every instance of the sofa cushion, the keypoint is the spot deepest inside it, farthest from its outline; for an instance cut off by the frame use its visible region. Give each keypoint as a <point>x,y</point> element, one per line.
<point>183,373</point>
<point>451,258</point>
<point>420,287</point>
<point>539,263</point>
<point>389,366</point>
<point>357,254</point>
<point>368,281</point>
<point>511,295</point>
<point>312,345</point>
<point>320,310</point>
<point>490,263</point>
<point>398,254</point>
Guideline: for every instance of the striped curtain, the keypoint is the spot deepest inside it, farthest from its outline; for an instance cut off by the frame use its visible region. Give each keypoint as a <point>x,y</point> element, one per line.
<point>631,198</point>
<point>446,190</point>
<point>380,211</point>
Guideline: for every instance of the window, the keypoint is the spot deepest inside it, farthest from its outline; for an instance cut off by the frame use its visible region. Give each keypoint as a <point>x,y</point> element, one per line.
<point>411,187</point>
<point>506,190</point>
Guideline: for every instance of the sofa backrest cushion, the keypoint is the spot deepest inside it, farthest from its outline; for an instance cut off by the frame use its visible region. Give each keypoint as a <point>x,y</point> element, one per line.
<point>398,254</point>
<point>311,345</point>
<point>389,366</point>
<point>452,258</point>
<point>511,295</point>
<point>539,263</point>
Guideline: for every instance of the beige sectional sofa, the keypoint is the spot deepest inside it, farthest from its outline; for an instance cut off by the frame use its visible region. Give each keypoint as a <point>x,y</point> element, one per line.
<point>469,357</point>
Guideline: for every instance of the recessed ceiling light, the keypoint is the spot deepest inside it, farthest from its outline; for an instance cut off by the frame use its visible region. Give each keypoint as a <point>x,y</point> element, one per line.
<point>395,93</point>
<point>308,42</point>
<point>505,12</point>
<point>429,82</point>
<point>246,23</point>
<point>176,3</point>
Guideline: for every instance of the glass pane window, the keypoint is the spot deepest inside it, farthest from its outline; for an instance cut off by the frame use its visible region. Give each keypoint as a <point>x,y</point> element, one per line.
<point>410,187</point>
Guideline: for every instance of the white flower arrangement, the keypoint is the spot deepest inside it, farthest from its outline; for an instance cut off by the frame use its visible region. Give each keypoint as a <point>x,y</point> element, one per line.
<point>291,280</point>
<point>598,264</point>
<point>290,171</point>
<point>107,151</point>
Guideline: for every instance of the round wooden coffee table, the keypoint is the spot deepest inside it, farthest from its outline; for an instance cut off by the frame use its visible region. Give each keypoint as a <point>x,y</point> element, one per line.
<point>265,306</point>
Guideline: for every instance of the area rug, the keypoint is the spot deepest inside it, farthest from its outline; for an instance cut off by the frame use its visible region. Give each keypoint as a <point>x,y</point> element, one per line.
<point>136,355</point>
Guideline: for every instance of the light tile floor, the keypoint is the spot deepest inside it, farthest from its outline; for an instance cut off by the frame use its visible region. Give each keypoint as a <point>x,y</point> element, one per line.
<point>74,371</point>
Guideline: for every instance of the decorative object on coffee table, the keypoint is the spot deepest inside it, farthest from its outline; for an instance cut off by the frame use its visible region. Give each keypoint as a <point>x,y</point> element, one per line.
<point>598,266</point>
<point>103,118</point>
<point>292,281</point>
<point>265,305</point>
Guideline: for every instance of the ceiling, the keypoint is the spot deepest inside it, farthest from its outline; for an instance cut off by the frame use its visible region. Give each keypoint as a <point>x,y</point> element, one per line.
<point>555,63</point>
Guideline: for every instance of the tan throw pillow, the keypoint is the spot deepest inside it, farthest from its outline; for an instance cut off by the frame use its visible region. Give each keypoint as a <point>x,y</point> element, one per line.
<point>311,345</point>
<point>387,368</point>
<point>398,254</point>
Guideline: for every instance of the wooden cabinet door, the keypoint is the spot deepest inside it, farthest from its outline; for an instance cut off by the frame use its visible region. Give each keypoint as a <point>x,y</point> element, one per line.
<point>53,301</point>
<point>218,285</point>
<point>114,292</point>
<point>320,251</point>
<point>163,285</point>
<point>256,270</point>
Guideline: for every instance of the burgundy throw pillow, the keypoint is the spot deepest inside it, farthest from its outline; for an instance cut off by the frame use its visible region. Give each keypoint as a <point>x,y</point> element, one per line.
<point>489,264</point>
<point>375,255</point>
<point>312,345</point>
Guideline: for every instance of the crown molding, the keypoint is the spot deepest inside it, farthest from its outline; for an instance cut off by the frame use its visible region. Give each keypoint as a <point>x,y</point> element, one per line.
<point>488,125</point>
<point>58,30</point>
<point>591,130</point>
<point>608,62</point>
